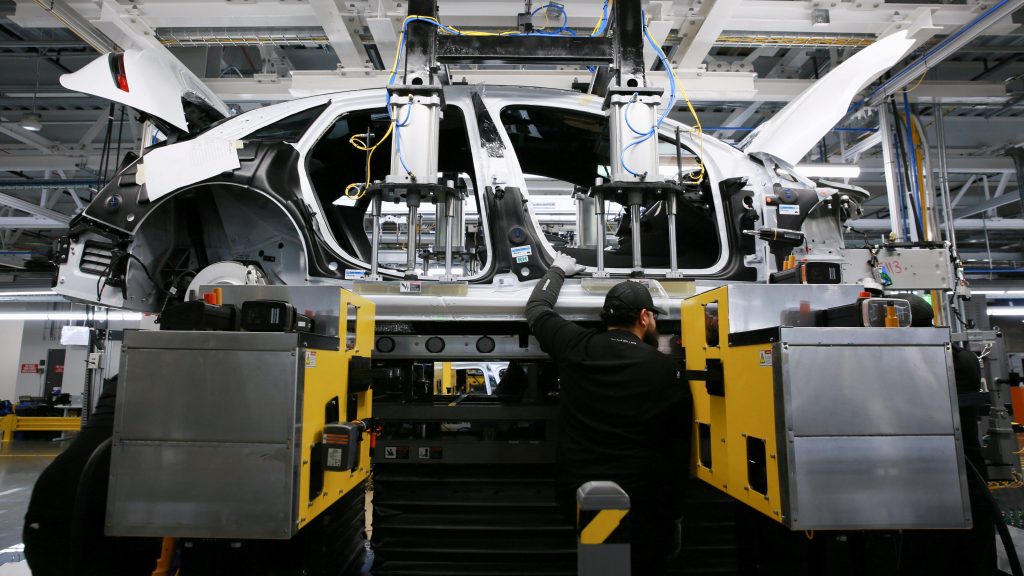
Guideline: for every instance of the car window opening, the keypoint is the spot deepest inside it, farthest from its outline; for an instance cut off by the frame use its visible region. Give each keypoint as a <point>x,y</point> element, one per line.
<point>334,163</point>
<point>563,152</point>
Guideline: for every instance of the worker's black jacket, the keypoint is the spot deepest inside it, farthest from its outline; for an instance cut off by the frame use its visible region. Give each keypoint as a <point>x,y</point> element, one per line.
<point>626,408</point>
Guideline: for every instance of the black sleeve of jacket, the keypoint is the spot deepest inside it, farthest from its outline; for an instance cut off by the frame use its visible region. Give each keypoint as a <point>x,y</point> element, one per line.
<point>555,334</point>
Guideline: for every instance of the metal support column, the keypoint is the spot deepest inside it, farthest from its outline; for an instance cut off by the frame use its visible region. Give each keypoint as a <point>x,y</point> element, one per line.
<point>889,165</point>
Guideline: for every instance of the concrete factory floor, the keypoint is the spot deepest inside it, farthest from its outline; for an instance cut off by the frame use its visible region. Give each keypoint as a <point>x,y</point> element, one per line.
<point>21,462</point>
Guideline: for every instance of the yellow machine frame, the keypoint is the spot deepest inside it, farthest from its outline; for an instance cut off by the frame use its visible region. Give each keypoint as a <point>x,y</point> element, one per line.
<point>327,377</point>
<point>729,420</point>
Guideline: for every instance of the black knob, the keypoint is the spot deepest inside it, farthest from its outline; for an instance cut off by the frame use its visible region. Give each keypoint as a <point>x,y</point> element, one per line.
<point>435,345</point>
<point>485,345</point>
<point>385,344</point>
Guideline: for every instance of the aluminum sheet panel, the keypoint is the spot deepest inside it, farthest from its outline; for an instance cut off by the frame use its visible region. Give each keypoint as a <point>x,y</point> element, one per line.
<point>207,395</point>
<point>877,482</point>
<point>867,390</point>
<point>757,306</point>
<point>179,490</point>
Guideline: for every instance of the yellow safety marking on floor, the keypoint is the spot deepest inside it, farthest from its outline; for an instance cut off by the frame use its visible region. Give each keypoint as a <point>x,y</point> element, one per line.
<point>602,526</point>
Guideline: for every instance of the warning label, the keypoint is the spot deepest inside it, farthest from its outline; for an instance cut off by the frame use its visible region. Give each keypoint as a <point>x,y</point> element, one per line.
<point>410,287</point>
<point>310,358</point>
<point>766,358</point>
<point>396,452</point>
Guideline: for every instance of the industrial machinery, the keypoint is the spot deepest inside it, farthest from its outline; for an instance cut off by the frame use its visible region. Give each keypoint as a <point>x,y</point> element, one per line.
<point>822,424</point>
<point>817,407</point>
<point>249,431</point>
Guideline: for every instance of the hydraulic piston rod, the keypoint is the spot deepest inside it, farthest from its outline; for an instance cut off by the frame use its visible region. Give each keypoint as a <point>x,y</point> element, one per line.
<point>600,215</point>
<point>413,201</point>
<point>375,242</point>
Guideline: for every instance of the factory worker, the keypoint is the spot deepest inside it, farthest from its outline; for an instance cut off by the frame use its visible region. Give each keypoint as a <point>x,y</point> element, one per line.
<point>626,410</point>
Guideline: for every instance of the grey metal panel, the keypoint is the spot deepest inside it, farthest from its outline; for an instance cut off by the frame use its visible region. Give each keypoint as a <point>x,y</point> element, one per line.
<point>208,395</point>
<point>877,482</point>
<point>188,340</point>
<point>910,269</point>
<point>867,336</point>
<point>201,490</point>
<point>867,390</point>
<point>757,306</point>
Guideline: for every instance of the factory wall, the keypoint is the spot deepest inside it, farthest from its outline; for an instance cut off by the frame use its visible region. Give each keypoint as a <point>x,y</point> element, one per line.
<point>37,337</point>
<point>27,342</point>
<point>10,357</point>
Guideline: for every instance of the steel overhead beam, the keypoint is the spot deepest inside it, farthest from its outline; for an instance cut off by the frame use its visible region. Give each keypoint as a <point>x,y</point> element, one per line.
<point>944,49</point>
<point>339,24</point>
<point>957,165</point>
<point>37,162</point>
<point>862,146</point>
<point>81,27</point>
<point>860,17</point>
<point>703,86</point>
<point>991,224</point>
<point>385,36</point>
<point>738,118</point>
<point>30,223</point>
<point>963,191</point>
<point>33,209</point>
<point>36,141</point>
<point>696,40</point>
<point>987,205</point>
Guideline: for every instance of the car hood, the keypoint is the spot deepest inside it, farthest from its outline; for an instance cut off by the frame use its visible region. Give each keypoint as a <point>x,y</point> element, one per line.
<point>802,123</point>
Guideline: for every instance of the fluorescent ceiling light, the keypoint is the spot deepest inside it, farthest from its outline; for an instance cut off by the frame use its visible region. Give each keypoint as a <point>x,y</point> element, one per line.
<point>998,292</point>
<point>1006,310</point>
<point>828,170</point>
<point>27,293</point>
<point>31,122</point>
<point>71,316</point>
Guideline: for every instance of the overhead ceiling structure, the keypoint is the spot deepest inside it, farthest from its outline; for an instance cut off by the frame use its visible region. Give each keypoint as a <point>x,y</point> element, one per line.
<point>739,60</point>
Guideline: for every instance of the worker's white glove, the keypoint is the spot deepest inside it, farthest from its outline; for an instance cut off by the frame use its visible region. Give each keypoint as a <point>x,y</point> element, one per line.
<point>567,264</point>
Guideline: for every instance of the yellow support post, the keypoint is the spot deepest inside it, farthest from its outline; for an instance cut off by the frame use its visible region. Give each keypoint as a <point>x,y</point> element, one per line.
<point>13,423</point>
<point>7,426</point>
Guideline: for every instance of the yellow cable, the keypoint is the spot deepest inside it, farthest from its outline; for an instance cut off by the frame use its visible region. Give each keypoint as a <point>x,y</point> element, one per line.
<point>919,80</point>
<point>598,25</point>
<point>699,130</point>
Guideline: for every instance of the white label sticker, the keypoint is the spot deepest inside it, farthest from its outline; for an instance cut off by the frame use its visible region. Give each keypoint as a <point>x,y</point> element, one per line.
<point>789,209</point>
<point>521,251</point>
<point>355,274</point>
<point>410,287</point>
<point>424,452</point>
<point>390,453</point>
<point>334,457</point>
<point>310,358</point>
<point>765,358</point>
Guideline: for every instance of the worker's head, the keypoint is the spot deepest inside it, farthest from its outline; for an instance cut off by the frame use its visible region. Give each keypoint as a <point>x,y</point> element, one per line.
<point>629,306</point>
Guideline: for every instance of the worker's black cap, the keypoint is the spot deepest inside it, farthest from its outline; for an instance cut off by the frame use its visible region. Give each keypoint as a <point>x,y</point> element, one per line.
<point>630,295</point>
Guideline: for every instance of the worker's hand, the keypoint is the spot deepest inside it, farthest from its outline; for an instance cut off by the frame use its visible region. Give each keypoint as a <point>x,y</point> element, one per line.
<point>566,263</point>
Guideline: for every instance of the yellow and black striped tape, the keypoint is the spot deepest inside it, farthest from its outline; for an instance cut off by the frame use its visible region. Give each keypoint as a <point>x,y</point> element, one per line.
<point>602,526</point>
